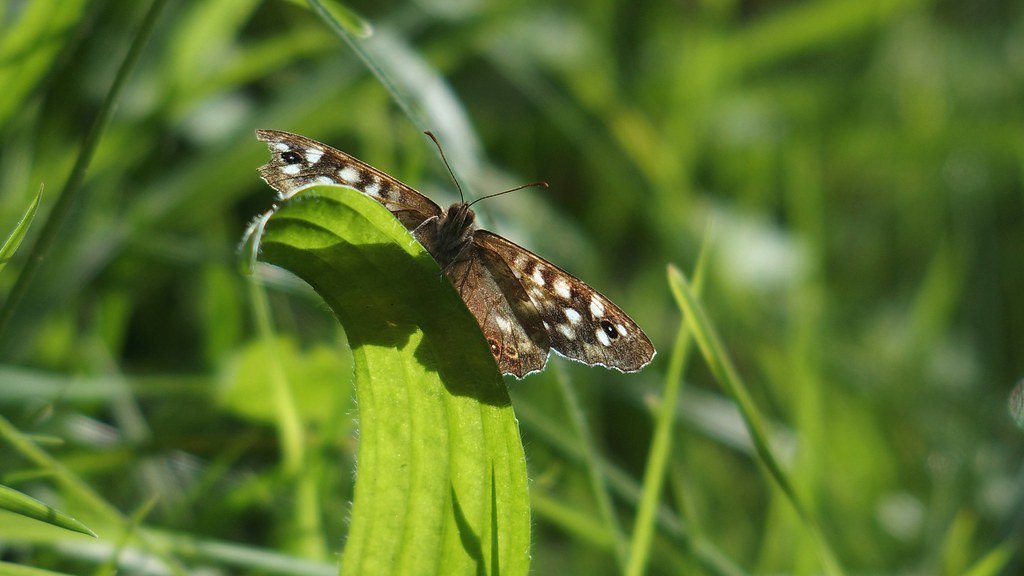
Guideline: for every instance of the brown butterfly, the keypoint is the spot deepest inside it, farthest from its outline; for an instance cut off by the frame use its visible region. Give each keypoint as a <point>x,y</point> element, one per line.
<point>524,304</point>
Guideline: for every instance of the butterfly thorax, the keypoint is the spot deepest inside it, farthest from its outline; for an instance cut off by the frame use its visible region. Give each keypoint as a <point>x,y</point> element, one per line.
<point>447,236</point>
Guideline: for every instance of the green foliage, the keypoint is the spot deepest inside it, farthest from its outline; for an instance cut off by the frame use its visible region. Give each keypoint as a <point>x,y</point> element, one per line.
<point>13,241</point>
<point>19,503</point>
<point>858,165</point>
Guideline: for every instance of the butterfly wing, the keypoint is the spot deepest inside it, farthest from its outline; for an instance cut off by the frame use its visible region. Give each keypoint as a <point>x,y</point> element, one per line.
<point>297,161</point>
<point>581,324</point>
<point>505,312</point>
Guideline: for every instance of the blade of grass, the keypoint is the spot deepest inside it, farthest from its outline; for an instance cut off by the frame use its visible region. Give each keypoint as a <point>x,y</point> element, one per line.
<point>348,18</point>
<point>661,445</point>
<point>598,485</point>
<point>110,566</point>
<point>8,569</point>
<point>62,208</point>
<point>722,368</point>
<point>308,541</point>
<point>19,503</point>
<point>18,234</point>
<point>622,484</point>
<point>67,479</point>
<point>417,89</point>
<point>29,47</point>
<point>997,560</point>
<point>397,95</point>
<point>441,485</point>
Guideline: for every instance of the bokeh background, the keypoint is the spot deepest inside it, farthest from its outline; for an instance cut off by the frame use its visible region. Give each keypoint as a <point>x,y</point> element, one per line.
<point>853,169</point>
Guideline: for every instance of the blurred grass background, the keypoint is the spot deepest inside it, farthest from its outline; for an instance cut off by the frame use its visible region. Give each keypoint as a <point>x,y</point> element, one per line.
<point>856,166</point>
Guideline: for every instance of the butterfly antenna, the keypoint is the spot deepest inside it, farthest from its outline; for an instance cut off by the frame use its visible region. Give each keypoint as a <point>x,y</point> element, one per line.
<point>446,164</point>
<point>530,185</point>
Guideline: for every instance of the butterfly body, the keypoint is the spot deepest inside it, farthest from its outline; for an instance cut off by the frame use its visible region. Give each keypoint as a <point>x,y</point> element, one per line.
<point>524,305</point>
<point>448,236</point>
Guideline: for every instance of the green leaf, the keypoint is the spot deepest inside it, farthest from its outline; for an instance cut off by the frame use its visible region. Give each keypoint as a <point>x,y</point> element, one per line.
<point>18,234</point>
<point>19,503</point>
<point>442,486</point>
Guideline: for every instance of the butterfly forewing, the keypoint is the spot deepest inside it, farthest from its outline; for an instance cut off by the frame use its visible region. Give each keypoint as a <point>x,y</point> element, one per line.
<point>524,304</point>
<point>297,162</point>
<point>581,323</point>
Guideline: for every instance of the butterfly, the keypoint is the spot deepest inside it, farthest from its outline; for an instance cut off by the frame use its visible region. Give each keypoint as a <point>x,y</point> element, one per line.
<point>524,304</point>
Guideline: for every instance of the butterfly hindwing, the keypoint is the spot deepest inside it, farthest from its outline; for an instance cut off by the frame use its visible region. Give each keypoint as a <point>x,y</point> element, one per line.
<point>506,314</point>
<point>581,323</point>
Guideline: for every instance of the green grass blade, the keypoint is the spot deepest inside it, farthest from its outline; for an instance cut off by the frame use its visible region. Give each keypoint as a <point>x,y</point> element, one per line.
<point>397,95</point>
<point>661,445</point>
<point>62,208</point>
<point>8,569</point>
<point>18,234</point>
<point>290,433</point>
<point>1016,404</point>
<point>25,505</point>
<point>29,46</point>
<point>721,366</point>
<point>995,562</point>
<point>598,481</point>
<point>442,484</point>
<point>343,15</point>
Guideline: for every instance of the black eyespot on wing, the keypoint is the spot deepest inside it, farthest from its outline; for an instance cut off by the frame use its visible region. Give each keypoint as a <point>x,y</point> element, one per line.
<point>291,157</point>
<point>609,329</point>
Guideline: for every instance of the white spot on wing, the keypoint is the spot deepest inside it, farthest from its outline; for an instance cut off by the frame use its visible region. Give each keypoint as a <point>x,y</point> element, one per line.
<point>546,325</point>
<point>538,275</point>
<point>562,288</point>
<point>621,329</point>
<point>291,169</point>
<point>281,146</point>
<point>349,174</point>
<point>567,331</point>
<point>373,189</point>
<point>602,337</point>
<point>596,307</point>
<point>502,323</point>
<point>325,180</point>
<point>573,316</point>
<point>313,155</point>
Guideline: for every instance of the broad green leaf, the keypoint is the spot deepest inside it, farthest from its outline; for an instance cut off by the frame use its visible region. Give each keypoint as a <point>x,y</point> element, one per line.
<point>18,234</point>
<point>441,486</point>
<point>27,506</point>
